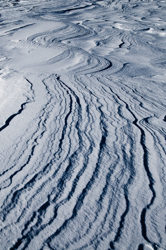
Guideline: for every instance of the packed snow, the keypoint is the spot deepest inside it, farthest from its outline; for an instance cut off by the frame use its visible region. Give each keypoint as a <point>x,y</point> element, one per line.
<point>83,124</point>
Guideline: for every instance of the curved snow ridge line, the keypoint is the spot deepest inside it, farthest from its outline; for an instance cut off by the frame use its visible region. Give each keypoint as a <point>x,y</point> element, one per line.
<point>102,147</point>
<point>80,62</point>
<point>156,126</point>
<point>64,8</point>
<point>145,158</point>
<point>23,106</point>
<point>80,173</point>
<point>12,31</point>
<point>81,198</point>
<point>145,104</point>
<point>67,11</point>
<point>126,186</point>
<point>102,142</point>
<point>69,31</point>
<point>78,57</point>
<point>147,126</point>
<point>36,136</point>
<point>149,174</point>
<point>23,237</point>
<point>93,65</point>
<point>71,51</point>
<point>34,144</point>
<point>31,181</point>
<point>7,122</point>
<point>102,196</point>
<point>85,125</point>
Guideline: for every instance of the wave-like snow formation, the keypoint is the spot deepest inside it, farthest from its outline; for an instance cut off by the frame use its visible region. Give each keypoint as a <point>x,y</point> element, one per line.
<point>82,124</point>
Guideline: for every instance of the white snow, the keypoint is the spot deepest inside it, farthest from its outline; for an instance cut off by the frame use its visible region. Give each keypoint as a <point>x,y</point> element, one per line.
<point>82,124</point>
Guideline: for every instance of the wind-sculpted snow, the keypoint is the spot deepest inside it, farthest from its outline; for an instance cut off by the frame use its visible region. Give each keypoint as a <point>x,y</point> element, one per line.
<point>82,125</point>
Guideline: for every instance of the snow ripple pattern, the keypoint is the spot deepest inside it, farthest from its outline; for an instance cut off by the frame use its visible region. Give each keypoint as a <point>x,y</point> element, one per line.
<point>83,124</point>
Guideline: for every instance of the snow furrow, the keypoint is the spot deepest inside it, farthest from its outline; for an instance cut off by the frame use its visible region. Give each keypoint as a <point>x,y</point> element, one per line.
<point>82,125</point>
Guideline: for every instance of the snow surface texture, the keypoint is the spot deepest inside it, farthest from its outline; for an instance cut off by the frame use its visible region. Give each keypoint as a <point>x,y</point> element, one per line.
<point>82,124</point>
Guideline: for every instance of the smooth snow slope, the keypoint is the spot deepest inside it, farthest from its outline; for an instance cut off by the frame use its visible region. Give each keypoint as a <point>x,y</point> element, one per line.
<point>82,124</point>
